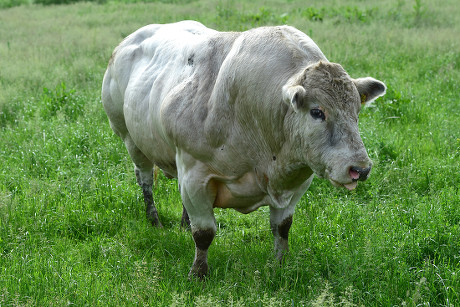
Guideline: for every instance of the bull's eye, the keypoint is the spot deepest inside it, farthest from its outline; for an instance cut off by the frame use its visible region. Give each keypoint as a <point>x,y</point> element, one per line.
<point>317,114</point>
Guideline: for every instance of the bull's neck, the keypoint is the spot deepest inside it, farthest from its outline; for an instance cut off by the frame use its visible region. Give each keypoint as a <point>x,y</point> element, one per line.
<point>287,172</point>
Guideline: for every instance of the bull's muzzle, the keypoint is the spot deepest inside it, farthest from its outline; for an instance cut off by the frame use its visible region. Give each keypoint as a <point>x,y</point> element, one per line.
<point>359,173</point>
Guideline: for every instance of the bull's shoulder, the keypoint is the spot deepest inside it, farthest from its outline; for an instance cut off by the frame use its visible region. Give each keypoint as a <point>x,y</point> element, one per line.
<point>303,42</point>
<point>283,40</point>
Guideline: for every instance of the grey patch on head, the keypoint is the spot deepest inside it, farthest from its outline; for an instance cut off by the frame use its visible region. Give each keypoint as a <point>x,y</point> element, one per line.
<point>332,81</point>
<point>203,238</point>
<point>333,135</point>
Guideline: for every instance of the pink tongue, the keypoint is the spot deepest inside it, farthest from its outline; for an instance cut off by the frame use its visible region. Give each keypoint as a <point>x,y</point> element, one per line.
<point>354,174</point>
<point>351,186</point>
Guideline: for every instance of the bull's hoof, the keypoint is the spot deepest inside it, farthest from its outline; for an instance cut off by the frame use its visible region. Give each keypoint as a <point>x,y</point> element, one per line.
<point>156,224</point>
<point>198,271</point>
<point>155,221</point>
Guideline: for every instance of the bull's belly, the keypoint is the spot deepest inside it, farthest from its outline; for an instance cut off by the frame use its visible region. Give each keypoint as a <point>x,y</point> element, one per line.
<point>245,194</point>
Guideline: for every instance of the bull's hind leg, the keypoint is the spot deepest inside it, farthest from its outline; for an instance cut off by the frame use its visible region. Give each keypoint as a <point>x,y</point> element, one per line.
<point>185,220</point>
<point>112,100</point>
<point>143,168</point>
<point>145,181</point>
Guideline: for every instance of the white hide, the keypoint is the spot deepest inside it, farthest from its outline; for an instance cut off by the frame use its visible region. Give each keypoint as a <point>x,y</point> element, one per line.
<point>208,108</point>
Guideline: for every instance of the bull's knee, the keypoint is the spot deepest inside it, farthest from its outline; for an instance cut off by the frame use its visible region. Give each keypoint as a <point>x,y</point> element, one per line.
<point>281,235</point>
<point>283,228</point>
<point>144,176</point>
<point>203,239</point>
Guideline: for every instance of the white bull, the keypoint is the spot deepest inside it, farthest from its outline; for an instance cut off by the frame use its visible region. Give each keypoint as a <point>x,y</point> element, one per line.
<point>242,120</point>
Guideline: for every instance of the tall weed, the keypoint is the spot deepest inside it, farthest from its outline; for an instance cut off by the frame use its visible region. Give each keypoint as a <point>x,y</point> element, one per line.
<point>61,99</point>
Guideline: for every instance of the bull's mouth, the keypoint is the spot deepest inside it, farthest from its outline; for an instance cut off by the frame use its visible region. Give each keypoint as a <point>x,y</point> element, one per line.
<point>349,186</point>
<point>355,174</point>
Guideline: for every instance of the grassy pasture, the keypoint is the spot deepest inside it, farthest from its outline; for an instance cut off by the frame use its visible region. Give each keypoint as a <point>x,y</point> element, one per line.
<point>72,222</point>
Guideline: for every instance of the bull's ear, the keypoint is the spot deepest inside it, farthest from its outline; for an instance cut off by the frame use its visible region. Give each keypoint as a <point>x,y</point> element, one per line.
<point>294,96</point>
<point>369,89</point>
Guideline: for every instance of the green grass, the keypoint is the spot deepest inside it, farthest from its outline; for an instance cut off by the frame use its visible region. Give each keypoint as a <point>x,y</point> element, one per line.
<point>72,222</point>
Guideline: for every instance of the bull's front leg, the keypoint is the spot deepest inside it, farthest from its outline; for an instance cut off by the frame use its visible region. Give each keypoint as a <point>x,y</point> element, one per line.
<point>203,239</point>
<point>281,219</point>
<point>197,198</point>
<point>203,227</point>
<point>280,223</point>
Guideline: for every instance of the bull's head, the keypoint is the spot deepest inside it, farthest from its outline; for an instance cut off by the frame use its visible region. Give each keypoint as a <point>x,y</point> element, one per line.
<point>324,127</point>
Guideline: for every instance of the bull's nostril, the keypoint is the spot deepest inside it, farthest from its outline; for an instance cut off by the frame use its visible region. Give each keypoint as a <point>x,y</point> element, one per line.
<point>354,174</point>
<point>362,173</point>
